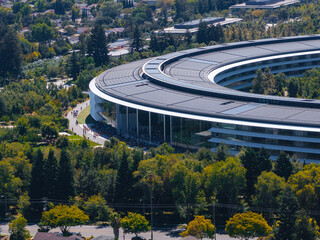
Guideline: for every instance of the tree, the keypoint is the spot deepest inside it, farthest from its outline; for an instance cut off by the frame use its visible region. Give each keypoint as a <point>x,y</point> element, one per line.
<point>10,52</point>
<point>97,45</point>
<point>306,228</point>
<point>51,174</point>
<point>283,166</point>
<point>115,224</point>
<point>137,41</point>
<point>65,176</point>
<point>63,217</point>
<point>255,161</point>
<point>59,7</point>
<point>186,185</point>
<point>49,130</point>
<point>268,189</point>
<point>247,225</point>
<point>222,152</point>
<point>202,34</point>
<point>305,185</point>
<point>17,228</point>
<point>73,68</point>
<point>200,228</point>
<point>97,209</point>
<point>37,186</point>
<point>225,180</point>
<point>41,32</point>
<point>124,178</point>
<point>134,223</point>
<point>258,82</point>
<point>287,215</point>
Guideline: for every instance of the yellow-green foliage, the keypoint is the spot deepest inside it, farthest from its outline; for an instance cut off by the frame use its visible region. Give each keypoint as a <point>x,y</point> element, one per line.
<point>64,217</point>
<point>305,184</point>
<point>200,228</point>
<point>247,225</point>
<point>134,223</point>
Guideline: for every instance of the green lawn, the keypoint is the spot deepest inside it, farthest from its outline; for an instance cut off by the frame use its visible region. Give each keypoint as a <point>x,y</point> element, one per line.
<point>83,115</point>
<point>78,138</point>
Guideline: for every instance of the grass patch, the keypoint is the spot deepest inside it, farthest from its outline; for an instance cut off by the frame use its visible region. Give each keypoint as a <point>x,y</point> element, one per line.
<point>78,139</point>
<point>83,115</point>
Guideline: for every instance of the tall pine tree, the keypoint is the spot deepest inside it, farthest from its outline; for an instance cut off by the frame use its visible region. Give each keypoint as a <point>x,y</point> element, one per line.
<point>255,161</point>
<point>51,176</point>
<point>287,215</point>
<point>137,41</point>
<point>97,45</point>
<point>283,165</point>
<point>37,186</point>
<point>65,176</point>
<point>10,52</point>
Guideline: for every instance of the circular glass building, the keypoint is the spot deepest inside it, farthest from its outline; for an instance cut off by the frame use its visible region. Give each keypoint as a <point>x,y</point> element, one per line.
<point>191,98</point>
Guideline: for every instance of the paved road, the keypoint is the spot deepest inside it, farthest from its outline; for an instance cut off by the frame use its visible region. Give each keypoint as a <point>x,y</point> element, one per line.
<point>79,128</point>
<point>95,231</point>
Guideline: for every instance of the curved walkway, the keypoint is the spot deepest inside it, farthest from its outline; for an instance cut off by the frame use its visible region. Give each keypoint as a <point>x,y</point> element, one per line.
<point>82,129</point>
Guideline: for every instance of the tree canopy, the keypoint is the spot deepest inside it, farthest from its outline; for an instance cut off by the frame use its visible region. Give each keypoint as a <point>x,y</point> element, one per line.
<point>134,223</point>
<point>63,217</point>
<point>247,225</point>
<point>200,228</point>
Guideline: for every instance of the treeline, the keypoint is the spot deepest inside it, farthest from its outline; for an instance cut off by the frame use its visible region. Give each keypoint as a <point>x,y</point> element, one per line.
<point>72,172</point>
<point>307,86</point>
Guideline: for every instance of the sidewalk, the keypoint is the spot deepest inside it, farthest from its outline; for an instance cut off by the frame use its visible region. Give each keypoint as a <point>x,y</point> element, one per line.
<point>82,129</point>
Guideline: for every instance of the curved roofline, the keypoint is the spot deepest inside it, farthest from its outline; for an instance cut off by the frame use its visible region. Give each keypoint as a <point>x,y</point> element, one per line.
<point>153,71</point>
<point>107,97</point>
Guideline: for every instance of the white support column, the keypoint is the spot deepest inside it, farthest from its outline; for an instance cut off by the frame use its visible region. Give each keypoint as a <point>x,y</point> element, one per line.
<point>137,119</point>
<point>164,128</point>
<point>127,117</point>
<point>171,130</point>
<point>150,127</point>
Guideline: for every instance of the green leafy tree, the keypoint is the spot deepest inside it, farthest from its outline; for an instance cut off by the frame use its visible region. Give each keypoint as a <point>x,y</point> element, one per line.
<point>186,185</point>
<point>225,180</point>
<point>287,215</point>
<point>305,185</point>
<point>97,209</point>
<point>247,225</point>
<point>65,176</point>
<point>17,228</point>
<point>134,223</point>
<point>306,228</point>
<point>63,217</point>
<point>49,130</point>
<point>283,166</point>
<point>268,189</point>
<point>41,32</point>
<point>23,204</point>
<point>97,45</point>
<point>200,228</point>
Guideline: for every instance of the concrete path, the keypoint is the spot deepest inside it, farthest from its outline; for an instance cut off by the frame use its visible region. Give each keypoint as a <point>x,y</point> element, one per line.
<point>79,129</point>
<point>90,230</point>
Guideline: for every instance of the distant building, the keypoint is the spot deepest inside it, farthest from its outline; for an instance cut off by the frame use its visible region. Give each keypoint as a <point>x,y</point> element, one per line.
<point>262,4</point>
<point>192,26</point>
<point>119,48</point>
<point>114,30</point>
<point>54,236</point>
<point>83,30</point>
